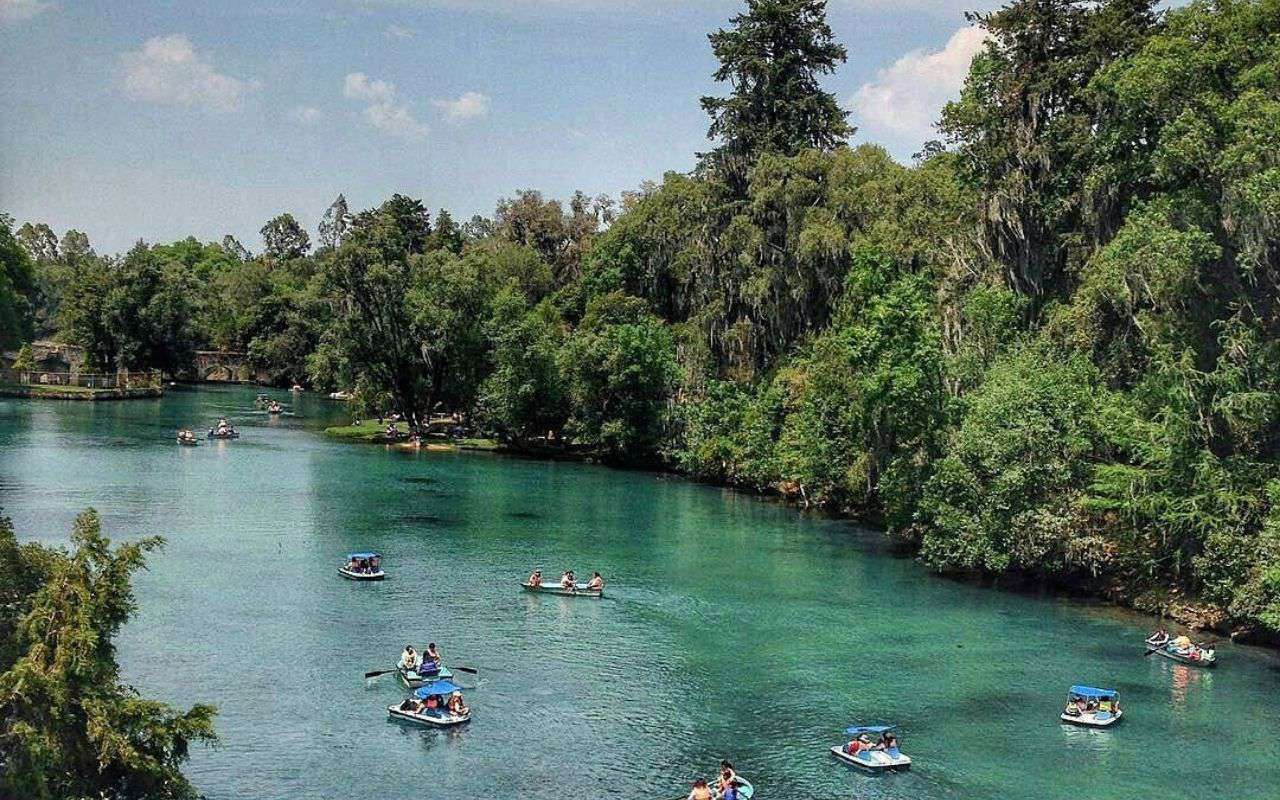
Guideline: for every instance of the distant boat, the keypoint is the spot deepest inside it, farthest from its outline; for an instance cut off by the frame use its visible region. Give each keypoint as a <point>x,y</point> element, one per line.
<point>1092,708</point>
<point>579,590</point>
<point>874,758</point>
<point>363,567</point>
<point>340,395</point>
<point>1182,650</point>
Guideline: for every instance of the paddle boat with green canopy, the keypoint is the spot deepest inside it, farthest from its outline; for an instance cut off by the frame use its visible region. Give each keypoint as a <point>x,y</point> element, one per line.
<point>427,706</point>
<point>1092,708</point>
<point>874,748</point>
<point>362,567</point>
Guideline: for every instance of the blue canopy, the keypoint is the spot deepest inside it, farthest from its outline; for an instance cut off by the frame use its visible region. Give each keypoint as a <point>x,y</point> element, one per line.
<point>364,555</point>
<point>436,688</point>
<point>1089,691</point>
<point>856,729</point>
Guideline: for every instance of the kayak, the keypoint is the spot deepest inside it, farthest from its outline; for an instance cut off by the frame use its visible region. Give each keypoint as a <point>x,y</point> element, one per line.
<point>745,790</point>
<point>581,590</point>
<point>435,718</point>
<point>352,575</point>
<point>413,680</point>
<point>874,760</point>
<point>229,435</point>
<point>1093,719</point>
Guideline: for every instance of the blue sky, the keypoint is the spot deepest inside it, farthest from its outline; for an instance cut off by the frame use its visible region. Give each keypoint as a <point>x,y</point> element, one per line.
<point>160,120</point>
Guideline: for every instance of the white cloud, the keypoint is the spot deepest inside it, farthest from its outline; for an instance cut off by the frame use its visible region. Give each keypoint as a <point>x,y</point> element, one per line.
<point>168,70</point>
<point>359,86</point>
<point>398,32</point>
<point>384,111</point>
<point>307,115</point>
<point>19,10</point>
<point>905,98</point>
<point>470,105</point>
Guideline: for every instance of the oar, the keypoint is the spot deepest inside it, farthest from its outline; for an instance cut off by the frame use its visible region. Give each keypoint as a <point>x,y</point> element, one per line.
<point>375,673</point>
<point>469,670</point>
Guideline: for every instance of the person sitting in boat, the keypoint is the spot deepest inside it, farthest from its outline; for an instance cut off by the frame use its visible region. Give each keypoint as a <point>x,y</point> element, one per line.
<point>596,584</point>
<point>567,581</point>
<point>535,578</point>
<point>1073,708</point>
<point>430,664</point>
<point>860,743</point>
<point>456,706</point>
<point>729,791</point>
<point>700,791</point>
<point>889,743</point>
<point>410,705</point>
<point>409,658</point>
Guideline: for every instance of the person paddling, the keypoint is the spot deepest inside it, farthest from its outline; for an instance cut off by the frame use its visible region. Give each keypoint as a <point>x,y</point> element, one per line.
<point>535,578</point>
<point>596,583</point>
<point>409,658</point>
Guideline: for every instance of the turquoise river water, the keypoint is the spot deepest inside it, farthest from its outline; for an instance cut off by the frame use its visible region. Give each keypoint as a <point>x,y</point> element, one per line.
<point>733,628</point>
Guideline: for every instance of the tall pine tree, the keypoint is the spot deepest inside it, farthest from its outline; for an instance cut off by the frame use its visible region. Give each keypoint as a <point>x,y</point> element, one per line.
<point>773,57</point>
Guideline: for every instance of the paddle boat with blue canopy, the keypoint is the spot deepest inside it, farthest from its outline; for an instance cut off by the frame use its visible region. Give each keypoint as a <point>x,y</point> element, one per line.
<point>873,748</point>
<point>362,567</point>
<point>1092,708</point>
<point>429,706</point>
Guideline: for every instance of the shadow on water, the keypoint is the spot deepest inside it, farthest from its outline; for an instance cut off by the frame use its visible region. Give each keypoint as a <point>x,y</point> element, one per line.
<point>430,519</point>
<point>524,515</point>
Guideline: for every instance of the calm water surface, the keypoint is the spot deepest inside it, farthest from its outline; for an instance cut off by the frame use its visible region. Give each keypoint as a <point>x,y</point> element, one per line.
<point>735,628</point>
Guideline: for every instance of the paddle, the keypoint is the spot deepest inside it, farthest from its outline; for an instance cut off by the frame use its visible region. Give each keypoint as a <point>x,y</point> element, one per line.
<point>375,673</point>
<point>469,670</point>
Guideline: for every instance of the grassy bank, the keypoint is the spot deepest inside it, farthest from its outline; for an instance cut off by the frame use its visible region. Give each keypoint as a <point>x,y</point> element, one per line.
<point>76,392</point>
<point>374,433</point>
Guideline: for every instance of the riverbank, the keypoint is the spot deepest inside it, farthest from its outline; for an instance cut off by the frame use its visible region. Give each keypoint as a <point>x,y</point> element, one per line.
<point>372,432</point>
<point>78,392</point>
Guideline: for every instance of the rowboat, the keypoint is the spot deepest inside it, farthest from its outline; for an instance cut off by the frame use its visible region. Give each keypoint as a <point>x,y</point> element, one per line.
<point>1188,653</point>
<point>1095,717</point>
<point>231,434</point>
<point>889,758</point>
<point>188,438</point>
<point>412,680</point>
<point>411,710</point>
<point>363,567</point>
<point>580,590</point>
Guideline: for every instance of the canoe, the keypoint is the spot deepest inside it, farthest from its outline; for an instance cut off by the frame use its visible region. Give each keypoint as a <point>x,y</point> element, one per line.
<point>361,576</point>
<point>413,680</point>
<point>745,790</point>
<point>555,588</point>
<point>1094,719</point>
<point>1174,655</point>
<point>435,719</point>
<point>873,760</point>
<point>232,435</point>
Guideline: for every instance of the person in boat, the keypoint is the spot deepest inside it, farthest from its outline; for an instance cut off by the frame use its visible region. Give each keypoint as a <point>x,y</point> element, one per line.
<point>432,703</point>
<point>1073,708</point>
<point>727,775</point>
<point>596,584</point>
<point>409,658</point>
<point>456,706</point>
<point>700,791</point>
<point>535,578</point>
<point>889,743</point>
<point>430,664</point>
<point>410,705</point>
<point>858,744</point>
<point>729,791</point>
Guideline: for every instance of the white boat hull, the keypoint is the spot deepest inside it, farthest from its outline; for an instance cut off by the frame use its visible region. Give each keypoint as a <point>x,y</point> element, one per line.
<point>876,760</point>
<point>361,576</point>
<point>435,720</point>
<point>581,590</point>
<point>1105,720</point>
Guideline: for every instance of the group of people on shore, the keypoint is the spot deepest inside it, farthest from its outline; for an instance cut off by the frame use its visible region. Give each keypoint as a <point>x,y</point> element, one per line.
<point>424,664</point>
<point>568,581</point>
<point>726,786</point>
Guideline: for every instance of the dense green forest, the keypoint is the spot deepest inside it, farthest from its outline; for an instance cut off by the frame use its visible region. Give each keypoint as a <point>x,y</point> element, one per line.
<point>1049,347</point>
